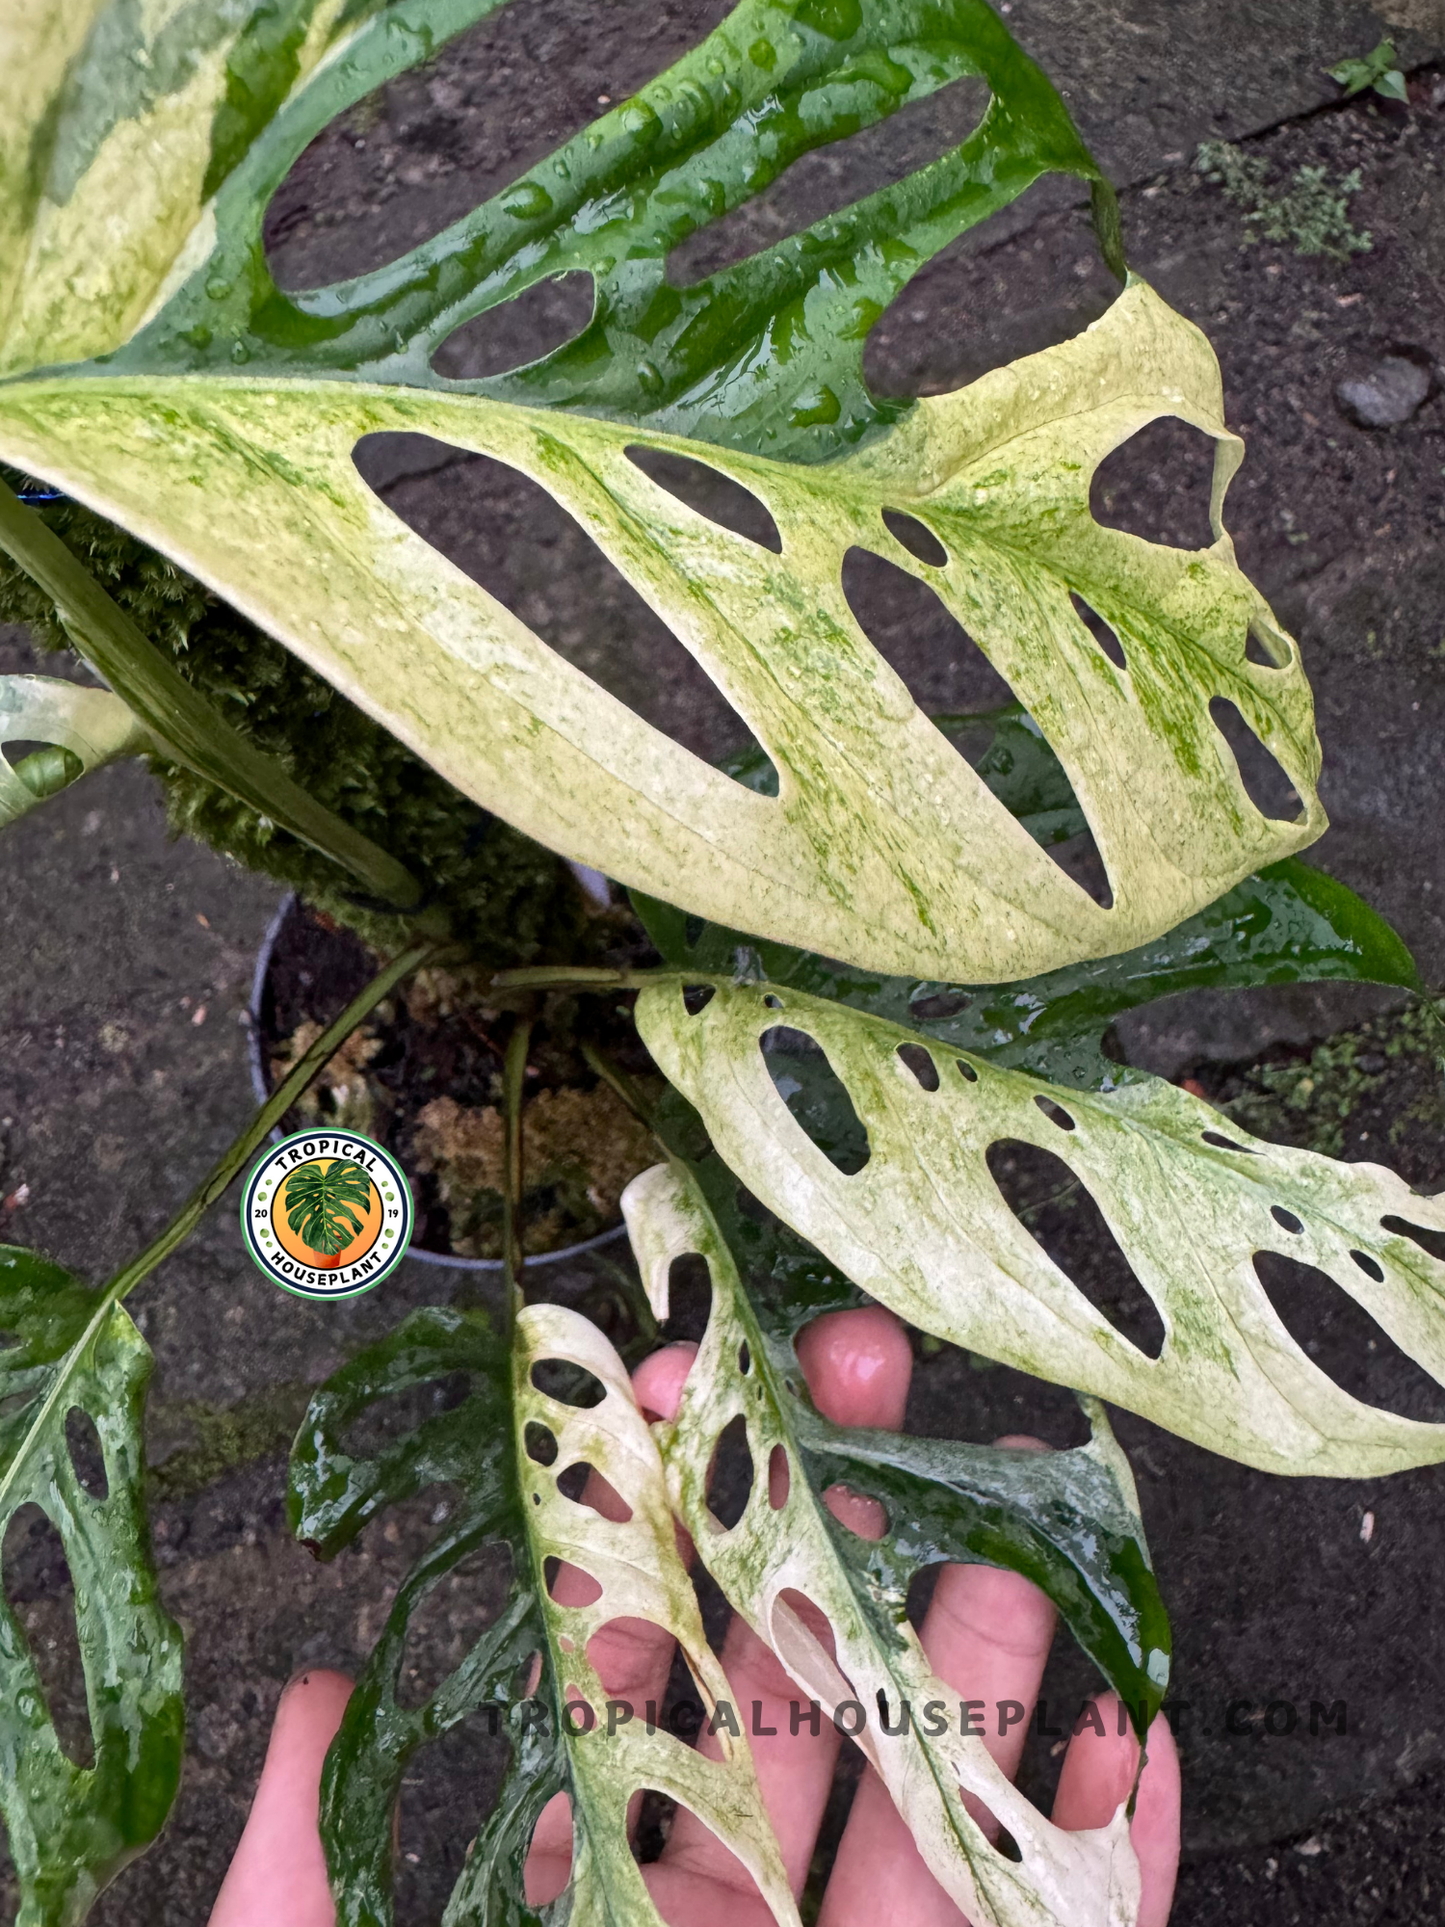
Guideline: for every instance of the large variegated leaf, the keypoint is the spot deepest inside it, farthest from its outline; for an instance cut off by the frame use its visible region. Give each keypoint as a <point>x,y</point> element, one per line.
<point>1069,1519</point>
<point>505,1448</point>
<point>923,1227</point>
<point>73,1826</point>
<point>88,726</point>
<point>223,432</point>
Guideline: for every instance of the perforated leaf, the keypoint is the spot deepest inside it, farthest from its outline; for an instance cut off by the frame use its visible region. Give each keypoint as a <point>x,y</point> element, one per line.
<point>486,1447</point>
<point>1069,1520</point>
<point>70,1827</point>
<point>223,432</point>
<point>923,1227</point>
<point>89,725</point>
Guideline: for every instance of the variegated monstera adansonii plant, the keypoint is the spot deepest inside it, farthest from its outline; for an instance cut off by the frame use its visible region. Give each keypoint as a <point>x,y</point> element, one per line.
<point>816,905</point>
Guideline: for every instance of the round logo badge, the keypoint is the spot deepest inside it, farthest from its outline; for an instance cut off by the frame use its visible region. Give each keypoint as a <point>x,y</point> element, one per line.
<point>326,1214</point>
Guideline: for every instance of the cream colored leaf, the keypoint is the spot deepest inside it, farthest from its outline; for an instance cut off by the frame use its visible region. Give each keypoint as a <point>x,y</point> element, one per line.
<point>92,724</point>
<point>1189,1196</point>
<point>1086,1879</point>
<point>883,847</point>
<point>109,122</point>
<point>635,1562</point>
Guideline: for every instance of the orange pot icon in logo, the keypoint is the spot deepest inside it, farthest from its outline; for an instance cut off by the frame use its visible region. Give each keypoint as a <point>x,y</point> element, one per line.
<point>329,1207</point>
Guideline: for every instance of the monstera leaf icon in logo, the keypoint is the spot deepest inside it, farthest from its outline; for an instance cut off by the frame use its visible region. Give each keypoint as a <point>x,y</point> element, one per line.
<point>322,1202</point>
<point>327,1214</point>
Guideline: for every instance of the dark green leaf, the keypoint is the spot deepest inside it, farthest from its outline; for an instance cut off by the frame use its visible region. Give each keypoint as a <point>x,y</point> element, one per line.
<point>765,355</point>
<point>466,1445</point>
<point>72,1829</point>
<point>1062,1519</point>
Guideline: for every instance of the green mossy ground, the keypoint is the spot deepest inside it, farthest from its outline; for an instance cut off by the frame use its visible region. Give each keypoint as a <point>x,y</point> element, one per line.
<point>509,899</point>
<point>1373,1093</point>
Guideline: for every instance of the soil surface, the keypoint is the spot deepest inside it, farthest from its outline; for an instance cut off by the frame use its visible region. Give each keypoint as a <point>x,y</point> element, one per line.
<point>128,958</point>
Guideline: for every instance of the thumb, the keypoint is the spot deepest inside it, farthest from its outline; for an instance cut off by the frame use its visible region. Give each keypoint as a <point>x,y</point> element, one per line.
<point>278,1875</point>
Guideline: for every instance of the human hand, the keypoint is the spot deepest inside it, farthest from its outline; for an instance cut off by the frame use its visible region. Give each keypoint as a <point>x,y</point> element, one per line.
<point>987,1634</point>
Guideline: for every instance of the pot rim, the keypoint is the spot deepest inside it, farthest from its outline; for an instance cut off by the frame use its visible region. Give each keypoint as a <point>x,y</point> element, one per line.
<point>261,1086</point>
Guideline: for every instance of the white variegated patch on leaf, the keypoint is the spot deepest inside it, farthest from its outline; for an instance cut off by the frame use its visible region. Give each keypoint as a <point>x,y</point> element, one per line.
<point>636,1565</point>
<point>1190,1198</point>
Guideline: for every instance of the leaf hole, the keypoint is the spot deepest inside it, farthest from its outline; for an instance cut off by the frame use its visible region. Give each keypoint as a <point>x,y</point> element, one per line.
<point>469,124</point>
<point>549,1868</point>
<point>1222,1143</point>
<point>1008,751</point>
<point>44,768</point>
<point>540,1442</point>
<point>1055,1113</point>
<point>697,997</point>
<point>446,1618</point>
<point>584,1485</point>
<point>919,541</point>
<point>518,333</point>
<point>1286,1220</point>
<point>730,1476</point>
<point>568,1384</point>
<point>448,1785</point>
<point>1102,632</point>
<point>506,532</point>
<point>87,1455</point>
<point>780,1477</point>
<point>745,1359</point>
<point>934,1006</point>
<point>865,1517</point>
<point>920,1062</point>
<point>569,1585</point>
<point>1060,1214</point>
<point>919,637</point>
<point>966,1070</point>
<point>1081,861</point>
<point>709,493</point>
<point>689,1297</point>
<point>1158,484</point>
<point>1430,1241</point>
<point>626,1634</point>
<point>41,1593</point>
<point>1268,649</point>
<point>1369,1266</point>
<point>816,1097</point>
<point>880,144</point>
<point>1263,776</point>
<point>1345,1342</point>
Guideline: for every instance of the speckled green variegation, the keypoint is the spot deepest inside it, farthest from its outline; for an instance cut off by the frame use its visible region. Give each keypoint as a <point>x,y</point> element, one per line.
<point>72,1825</point>
<point>216,417</point>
